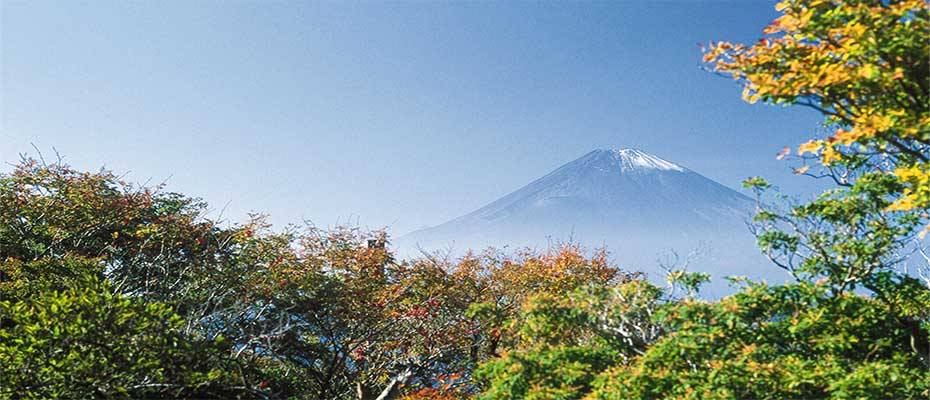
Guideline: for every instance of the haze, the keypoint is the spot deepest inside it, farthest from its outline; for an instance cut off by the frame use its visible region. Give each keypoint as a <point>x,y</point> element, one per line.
<point>386,114</point>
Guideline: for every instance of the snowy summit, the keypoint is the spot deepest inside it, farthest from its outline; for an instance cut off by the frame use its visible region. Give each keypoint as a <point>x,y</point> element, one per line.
<point>638,204</point>
<point>629,160</point>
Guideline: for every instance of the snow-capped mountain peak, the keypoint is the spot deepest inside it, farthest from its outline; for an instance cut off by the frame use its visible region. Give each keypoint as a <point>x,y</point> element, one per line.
<point>628,159</point>
<point>637,204</point>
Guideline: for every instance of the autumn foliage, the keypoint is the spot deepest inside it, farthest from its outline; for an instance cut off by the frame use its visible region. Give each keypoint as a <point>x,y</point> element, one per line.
<point>864,65</point>
<point>112,290</point>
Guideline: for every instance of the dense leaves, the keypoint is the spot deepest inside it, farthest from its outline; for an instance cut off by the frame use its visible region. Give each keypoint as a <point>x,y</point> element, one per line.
<point>150,242</point>
<point>794,341</point>
<point>855,323</point>
<point>88,342</point>
<point>566,340</point>
<point>864,65</point>
<point>130,292</point>
<point>110,290</point>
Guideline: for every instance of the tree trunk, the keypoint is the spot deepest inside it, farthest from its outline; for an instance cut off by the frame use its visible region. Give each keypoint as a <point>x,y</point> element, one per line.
<point>393,388</point>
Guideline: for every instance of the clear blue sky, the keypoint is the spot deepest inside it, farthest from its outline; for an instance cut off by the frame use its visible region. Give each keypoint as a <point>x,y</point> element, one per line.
<point>391,114</point>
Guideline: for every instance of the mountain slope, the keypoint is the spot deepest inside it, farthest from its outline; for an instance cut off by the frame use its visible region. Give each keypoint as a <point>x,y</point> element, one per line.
<point>637,204</point>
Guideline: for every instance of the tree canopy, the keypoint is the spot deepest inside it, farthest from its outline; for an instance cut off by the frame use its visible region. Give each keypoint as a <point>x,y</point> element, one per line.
<point>113,290</point>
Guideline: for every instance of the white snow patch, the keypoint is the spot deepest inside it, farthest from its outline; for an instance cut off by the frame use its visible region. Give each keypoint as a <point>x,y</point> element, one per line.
<point>630,159</point>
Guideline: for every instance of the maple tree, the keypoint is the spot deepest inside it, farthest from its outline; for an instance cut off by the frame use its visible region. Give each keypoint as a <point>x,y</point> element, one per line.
<point>864,65</point>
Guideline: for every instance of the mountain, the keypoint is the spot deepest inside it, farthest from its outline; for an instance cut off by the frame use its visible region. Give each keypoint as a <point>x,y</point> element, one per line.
<point>638,205</point>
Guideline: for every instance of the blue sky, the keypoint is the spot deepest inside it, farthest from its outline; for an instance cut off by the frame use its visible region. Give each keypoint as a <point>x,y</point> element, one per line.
<point>388,114</point>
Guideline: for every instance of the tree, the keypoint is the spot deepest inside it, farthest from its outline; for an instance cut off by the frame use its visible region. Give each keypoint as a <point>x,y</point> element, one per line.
<point>853,325</point>
<point>864,65</point>
<point>299,312</point>
<point>566,339</point>
<point>794,341</point>
<point>359,324</point>
<point>149,242</point>
<point>92,273</point>
<point>88,342</point>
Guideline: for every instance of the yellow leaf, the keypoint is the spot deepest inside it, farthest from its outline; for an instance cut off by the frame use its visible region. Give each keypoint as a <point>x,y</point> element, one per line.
<point>848,137</point>
<point>830,155</point>
<point>810,147</point>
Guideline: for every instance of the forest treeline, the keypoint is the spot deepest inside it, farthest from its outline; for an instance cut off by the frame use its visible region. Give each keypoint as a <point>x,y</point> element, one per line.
<point>113,290</point>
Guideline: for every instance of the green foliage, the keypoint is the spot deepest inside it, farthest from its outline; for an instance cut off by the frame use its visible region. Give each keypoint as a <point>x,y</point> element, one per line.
<point>756,183</point>
<point>791,341</point>
<point>150,243</point>
<point>557,372</point>
<point>844,236</point>
<point>23,280</point>
<point>690,282</point>
<point>84,261</point>
<point>244,310</point>
<point>566,340</point>
<point>852,325</point>
<point>87,342</point>
<point>766,342</point>
<point>110,290</point>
